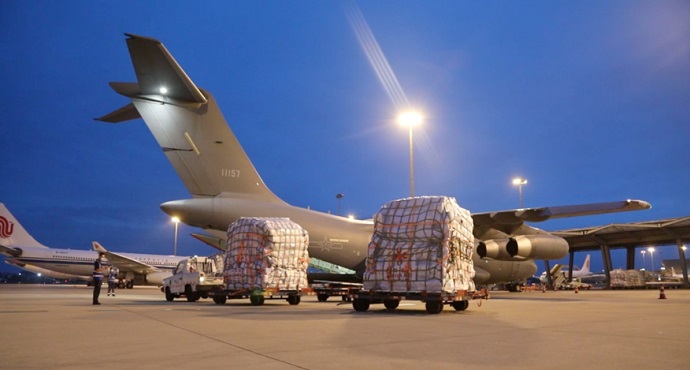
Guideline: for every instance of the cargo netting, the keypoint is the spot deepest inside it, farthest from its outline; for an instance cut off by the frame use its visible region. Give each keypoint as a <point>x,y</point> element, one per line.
<point>266,253</point>
<point>421,244</point>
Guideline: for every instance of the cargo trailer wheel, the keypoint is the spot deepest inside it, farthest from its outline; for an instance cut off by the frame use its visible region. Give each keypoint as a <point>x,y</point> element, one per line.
<point>434,307</point>
<point>322,297</point>
<point>220,298</point>
<point>293,299</point>
<point>169,296</point>
<point>360,305</point>
<point>256,300</point>
<point>391,304</point>
<point>461,305</point>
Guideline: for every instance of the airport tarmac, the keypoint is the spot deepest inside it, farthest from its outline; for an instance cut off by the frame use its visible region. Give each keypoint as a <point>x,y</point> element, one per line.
<point>56,327</point>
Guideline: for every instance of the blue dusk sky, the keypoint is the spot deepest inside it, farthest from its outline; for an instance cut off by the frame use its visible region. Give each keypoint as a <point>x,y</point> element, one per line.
<point>588,100</point>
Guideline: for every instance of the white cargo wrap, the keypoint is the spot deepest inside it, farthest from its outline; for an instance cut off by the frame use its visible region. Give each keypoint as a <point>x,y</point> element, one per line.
<point>421,244</point>
<point>627,279</point>
<point>266,253</point>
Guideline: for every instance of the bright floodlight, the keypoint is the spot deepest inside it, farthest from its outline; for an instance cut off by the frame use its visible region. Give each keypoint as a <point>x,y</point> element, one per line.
<point>175,219</point>
<point>163,90</point>
<point>410,119</point>
<point>651,249</point>
<point>519,181</point>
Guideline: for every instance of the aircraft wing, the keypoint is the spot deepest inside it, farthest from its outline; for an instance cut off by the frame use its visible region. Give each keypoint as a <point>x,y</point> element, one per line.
<point>124,263</point>
<point>519,216</point>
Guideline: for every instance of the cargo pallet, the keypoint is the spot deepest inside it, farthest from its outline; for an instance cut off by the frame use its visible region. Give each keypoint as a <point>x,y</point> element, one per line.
<point>434,301</point>
<point>257,297</point>
<point>325,289</point>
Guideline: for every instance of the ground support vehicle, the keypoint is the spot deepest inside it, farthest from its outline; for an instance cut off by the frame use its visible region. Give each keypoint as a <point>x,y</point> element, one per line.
<point>193,278</point>
<point>325,289</point>
<point>434,300</point>
<point>257,297</point>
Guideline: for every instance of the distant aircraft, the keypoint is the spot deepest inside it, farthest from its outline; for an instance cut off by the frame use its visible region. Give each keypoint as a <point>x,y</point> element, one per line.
<point>23,251</point>
<point>578,273</point>
<point>193,135</point>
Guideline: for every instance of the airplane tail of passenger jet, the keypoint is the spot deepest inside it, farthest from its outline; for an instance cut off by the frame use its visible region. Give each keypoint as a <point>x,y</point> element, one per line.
<point>585,266</point>
<point>187,124</point>
<point>12,234</point>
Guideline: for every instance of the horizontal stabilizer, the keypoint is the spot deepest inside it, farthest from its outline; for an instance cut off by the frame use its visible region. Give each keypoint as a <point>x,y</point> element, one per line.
<point>158,73</point>
<point>126,113</point>
<point>124,263</point>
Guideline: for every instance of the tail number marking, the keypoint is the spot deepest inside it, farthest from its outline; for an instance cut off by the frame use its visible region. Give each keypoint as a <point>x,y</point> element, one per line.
<point>230,173</point>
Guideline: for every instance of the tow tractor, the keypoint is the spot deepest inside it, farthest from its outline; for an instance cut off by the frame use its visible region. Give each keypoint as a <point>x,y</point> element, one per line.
<point>193,278</point>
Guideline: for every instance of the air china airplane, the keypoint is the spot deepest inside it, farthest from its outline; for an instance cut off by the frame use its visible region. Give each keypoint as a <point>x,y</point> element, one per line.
<point>23,251</point>
<point>224,185</point>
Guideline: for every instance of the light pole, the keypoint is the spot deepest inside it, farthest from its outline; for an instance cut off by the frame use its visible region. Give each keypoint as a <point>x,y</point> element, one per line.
<point>339,196</point>
<point>519,182</point>
<point>410,119</point>
<point>651,255</point>
<point>643,260</point>
<point>176,220</point>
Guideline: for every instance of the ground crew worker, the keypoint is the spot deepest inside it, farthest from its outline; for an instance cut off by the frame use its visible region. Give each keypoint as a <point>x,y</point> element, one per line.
<point>97,277</point>
<point>112,281</point>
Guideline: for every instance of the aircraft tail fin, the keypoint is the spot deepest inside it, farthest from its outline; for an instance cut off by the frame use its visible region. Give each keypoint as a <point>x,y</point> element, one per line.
<point>187,124</point>
<point>585,266</point>
<point>12,234</point>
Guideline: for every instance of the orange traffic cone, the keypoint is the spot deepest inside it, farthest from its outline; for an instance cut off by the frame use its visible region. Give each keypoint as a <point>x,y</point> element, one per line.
<point>577,290</point>
<point>662,295</point>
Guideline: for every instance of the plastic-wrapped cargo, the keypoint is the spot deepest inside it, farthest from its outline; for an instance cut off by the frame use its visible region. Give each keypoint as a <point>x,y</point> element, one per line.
<point>421,244</point>
<point>627,279</point>
<point>266,253</point>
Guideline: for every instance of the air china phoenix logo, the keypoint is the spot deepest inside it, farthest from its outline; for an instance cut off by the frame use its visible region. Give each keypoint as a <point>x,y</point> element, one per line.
<point>6,228</point>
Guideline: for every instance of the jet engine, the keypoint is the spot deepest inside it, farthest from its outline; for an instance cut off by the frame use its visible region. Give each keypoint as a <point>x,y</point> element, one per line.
<point>156,278</point>
<point>523,247</point>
